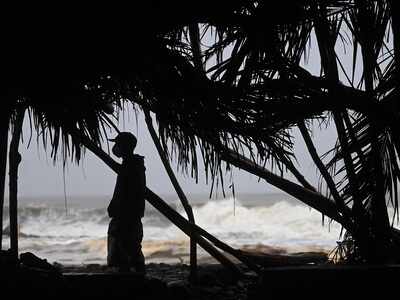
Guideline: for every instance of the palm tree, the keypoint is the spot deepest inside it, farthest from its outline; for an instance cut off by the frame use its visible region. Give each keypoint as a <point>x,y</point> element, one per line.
<point>237,99</point>
<point>239,108</point>
<point>51,120</point>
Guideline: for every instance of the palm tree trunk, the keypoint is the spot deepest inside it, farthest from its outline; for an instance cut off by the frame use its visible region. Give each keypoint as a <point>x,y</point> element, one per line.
<point>326,39</point>
<point>15,159</point>
<point>311,198</point>
<point>379,215</point>
<point>4,126</point>
<point>179,191</point>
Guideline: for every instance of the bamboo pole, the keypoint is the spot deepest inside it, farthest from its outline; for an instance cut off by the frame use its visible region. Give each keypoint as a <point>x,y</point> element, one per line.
<point>163,207</point>
<point>188,228</point>
<point>228,249</point>
<point>4,126</point>
<point>185,203</point>
<point>196,231</point>
<point>15,159</point>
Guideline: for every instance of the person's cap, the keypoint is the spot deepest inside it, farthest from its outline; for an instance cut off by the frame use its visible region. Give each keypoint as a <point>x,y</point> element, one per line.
<point>125,138</point>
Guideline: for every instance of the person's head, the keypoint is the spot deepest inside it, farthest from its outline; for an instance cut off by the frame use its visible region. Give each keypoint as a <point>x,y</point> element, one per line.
<point>125,144</point>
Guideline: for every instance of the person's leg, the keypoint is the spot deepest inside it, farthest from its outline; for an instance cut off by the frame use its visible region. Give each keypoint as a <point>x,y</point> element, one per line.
<point>138,260</point>
<point>112,244</point>
<point>139,263</point>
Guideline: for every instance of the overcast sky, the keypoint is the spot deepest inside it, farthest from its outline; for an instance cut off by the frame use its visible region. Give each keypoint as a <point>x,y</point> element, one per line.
<point>40,177</point>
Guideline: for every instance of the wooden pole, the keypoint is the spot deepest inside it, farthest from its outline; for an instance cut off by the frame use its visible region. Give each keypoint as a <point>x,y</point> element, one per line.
<point>179,191</point>
<point>163,207</point>
<point>15,159</point>
<point>4,126</point>
<point>188,228</point>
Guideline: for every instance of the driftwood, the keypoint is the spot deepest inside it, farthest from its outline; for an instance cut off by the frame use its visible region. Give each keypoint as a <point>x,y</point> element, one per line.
<point>179,191</point>
<point>279,260</point>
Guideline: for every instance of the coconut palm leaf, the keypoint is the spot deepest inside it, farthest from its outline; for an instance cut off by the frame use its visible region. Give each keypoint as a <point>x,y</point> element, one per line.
<point>370,134</point>
<point>227,75</point>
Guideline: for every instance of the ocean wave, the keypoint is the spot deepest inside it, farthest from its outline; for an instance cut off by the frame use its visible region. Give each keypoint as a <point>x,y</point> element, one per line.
<point>80,234</point>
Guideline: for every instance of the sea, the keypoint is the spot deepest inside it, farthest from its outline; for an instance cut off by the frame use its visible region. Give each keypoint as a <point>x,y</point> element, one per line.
<point>73,230</point>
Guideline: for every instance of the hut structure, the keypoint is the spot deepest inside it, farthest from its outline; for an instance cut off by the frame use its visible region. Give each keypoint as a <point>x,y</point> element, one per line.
<point>235,98</point>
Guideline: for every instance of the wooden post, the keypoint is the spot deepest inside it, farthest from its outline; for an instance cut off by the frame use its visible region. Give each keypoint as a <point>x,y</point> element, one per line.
<point>15,159</point>
<point>179,191</point>
<point>4,126</point>
<point>163,207</point>
<point>189,229</point>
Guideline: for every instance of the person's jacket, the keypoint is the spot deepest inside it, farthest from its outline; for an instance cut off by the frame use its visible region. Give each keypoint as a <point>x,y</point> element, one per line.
<point>128,199</point>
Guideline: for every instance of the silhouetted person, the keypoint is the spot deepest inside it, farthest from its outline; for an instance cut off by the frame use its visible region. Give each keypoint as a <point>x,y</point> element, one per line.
<point>126,208</point>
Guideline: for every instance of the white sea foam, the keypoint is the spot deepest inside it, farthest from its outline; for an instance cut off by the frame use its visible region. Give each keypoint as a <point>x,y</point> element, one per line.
<point>282,224</point>
<point>79,235</point>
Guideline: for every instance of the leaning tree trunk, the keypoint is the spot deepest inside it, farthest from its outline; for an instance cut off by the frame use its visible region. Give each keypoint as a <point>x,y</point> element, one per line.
<point>15,159</point>
<point>4,126</point>
<point>187,227</point>
<point>179,191</point>
<point>311,198</point>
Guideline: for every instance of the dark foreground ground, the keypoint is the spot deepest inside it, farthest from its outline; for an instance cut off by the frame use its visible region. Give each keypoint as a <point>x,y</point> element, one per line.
<point>164,281</point>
